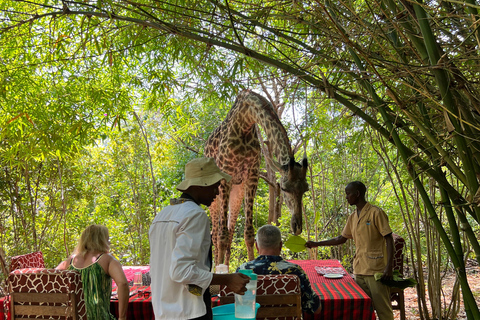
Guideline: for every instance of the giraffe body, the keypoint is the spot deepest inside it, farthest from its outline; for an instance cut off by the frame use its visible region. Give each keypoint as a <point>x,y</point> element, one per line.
<point>236,149</point>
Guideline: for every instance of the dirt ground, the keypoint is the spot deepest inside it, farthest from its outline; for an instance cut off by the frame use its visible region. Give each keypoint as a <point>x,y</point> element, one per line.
<point>411,299</point>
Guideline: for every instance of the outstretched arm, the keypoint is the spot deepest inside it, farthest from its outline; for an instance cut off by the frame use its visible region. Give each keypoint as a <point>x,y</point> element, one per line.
<point>235,281</point>
<point>330,242</point>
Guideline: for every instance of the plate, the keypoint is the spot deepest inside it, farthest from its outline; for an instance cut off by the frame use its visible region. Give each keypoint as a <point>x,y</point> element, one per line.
<point>333,275</point>
<point>332,270</point>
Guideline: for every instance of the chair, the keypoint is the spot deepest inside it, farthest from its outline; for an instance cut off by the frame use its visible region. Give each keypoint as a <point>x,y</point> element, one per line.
<point>3,289</point>
<point>279,297</point>
<point>396,294</point>
<point>46,294</point>
<point>29,260</point>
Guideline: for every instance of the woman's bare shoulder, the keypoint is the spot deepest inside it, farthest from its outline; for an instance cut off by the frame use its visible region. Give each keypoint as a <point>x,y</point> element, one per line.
<point>111,257</point>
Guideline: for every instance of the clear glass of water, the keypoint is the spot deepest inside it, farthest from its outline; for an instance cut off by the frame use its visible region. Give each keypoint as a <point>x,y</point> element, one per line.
<point>137,279</point>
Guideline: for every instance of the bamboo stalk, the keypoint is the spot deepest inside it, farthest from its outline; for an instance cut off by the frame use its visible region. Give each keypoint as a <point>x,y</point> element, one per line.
<point>443,81</point>
<point>467,293</point>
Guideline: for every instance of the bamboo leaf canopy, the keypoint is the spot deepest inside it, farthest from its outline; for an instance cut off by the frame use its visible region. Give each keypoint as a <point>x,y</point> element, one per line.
<point>409,69</point>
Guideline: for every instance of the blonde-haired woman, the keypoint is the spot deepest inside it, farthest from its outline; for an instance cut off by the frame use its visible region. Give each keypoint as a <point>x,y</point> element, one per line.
<point>98,267</point>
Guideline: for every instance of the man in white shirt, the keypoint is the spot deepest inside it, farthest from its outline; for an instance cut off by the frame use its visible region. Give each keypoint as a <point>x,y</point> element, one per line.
<point>180,248</point>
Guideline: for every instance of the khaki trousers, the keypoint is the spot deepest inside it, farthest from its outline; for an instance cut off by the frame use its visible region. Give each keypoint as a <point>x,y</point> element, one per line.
<point>380,295</point>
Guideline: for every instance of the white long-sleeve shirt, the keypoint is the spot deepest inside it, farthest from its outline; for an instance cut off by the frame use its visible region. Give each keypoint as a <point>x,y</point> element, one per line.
<point>179,244</point>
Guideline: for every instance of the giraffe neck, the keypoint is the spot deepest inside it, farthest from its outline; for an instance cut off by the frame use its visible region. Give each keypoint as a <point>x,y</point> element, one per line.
<point>257,109</point>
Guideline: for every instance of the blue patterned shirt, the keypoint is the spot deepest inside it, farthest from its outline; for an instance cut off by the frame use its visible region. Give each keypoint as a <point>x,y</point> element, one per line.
<point>276,265</point>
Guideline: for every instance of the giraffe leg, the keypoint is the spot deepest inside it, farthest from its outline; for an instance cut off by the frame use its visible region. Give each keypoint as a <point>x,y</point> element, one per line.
<point>222,239</point>
<point>214,216</point>
<point>235,204</point>
<point>250,191</point>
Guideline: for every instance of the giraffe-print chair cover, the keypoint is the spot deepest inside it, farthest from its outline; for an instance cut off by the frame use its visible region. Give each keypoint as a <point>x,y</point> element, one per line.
<point>272,284</point>
<point>397,295</point>
<point>29,260</point>
<point>398,244</point>
<point>50,281</point>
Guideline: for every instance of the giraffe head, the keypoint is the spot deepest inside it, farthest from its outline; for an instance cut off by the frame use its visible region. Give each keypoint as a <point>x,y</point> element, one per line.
<point>294,184</point>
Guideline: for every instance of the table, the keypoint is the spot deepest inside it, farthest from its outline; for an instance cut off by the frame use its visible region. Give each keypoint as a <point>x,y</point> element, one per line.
<point>138,307</point>
<point>340,298</point>
<point>130,271</point>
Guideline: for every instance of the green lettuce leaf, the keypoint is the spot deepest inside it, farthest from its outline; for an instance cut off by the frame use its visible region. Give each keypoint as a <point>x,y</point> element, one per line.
<point>295,243</point>
<point>397,281</point>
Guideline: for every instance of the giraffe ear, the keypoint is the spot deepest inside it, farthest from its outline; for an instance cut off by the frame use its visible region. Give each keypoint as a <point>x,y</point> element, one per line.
<point>291,165</point>
<point>304,166</point>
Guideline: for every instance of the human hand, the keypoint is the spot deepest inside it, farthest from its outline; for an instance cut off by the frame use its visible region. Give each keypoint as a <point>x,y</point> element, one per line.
<point>311,244</point>
<point>387,274</point>
<point>237,282</point>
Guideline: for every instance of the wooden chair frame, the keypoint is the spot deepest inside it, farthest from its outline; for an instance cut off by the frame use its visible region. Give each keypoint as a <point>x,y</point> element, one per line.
<point>25,304</point>
<point>396,295</point>
<point>274,305</point>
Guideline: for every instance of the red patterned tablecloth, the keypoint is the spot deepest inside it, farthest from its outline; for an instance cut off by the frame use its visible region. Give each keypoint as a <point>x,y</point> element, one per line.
<point>139,307</point>
<point>341,298</point>
<point>2,310</point>
<point>130,271</point>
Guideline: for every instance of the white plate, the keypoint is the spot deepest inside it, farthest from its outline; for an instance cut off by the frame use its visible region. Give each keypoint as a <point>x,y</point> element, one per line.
<point>333,275</point>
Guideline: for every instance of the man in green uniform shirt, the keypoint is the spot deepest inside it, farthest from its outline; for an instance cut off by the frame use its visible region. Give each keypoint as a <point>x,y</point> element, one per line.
<point>368,227</point>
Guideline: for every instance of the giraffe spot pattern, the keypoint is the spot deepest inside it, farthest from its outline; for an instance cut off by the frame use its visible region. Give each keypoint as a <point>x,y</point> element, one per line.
<point>235,146</point>
<point>49,281</point>
<point>29,260</point>
<point>272,284</point>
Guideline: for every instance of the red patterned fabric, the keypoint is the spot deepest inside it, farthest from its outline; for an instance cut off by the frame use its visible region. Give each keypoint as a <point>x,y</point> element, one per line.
<point>3,308</point>
<point>272,284</point>
<point>340,298</point>
<point>397,295</point>
<point>398,244</point>
<point>49,281</point>
<point>29,260</point>
<point>138,306</point>
<point>130,271</point>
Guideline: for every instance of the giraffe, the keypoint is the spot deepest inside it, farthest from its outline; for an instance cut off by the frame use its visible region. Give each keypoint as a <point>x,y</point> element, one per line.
<point>236,149</point>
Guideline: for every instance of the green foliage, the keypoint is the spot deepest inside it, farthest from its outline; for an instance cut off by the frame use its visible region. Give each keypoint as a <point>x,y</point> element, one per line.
<point>397,281</point>
<point>387,96</point>
<point>295,244</point>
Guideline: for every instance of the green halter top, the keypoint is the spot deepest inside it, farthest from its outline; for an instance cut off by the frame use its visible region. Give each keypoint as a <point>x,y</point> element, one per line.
<point>97,289</point>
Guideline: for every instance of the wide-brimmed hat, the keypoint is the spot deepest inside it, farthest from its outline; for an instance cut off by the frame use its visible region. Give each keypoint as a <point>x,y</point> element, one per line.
<point>202,172</point>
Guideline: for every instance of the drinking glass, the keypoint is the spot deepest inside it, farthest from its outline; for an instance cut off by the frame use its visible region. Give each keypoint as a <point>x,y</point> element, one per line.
<point>137,279</point>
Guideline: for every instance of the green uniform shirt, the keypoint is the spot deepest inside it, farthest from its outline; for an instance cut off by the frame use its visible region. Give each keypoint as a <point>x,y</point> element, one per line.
<point>368,231</point>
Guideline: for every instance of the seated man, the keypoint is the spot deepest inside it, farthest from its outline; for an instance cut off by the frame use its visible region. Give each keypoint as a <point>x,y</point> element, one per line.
<point>269,245</point>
